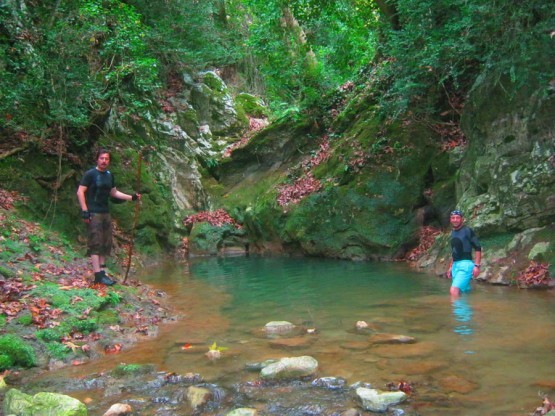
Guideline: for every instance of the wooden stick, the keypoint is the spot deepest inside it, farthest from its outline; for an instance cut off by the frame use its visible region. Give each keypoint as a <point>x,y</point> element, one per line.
<point>136,219</point>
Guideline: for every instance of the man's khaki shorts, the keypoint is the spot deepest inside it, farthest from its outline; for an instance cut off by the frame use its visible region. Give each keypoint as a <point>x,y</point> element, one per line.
<point>100,235</point>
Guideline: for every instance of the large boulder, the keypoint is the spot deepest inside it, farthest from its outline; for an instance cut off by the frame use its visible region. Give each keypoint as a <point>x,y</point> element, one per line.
<point>42,404</point>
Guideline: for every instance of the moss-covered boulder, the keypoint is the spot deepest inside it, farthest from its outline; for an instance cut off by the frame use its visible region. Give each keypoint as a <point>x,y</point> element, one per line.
<point>207,240</point>
<point>42,404</point>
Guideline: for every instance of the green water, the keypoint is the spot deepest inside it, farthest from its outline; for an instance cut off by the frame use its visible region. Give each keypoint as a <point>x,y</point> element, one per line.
<point>489,353</point>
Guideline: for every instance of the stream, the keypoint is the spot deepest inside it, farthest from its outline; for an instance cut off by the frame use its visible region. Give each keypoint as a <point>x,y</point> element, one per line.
<point>491,352</point>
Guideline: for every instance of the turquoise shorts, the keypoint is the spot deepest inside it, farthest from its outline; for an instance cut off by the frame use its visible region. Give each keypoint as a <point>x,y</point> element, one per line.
<point>461,272</point>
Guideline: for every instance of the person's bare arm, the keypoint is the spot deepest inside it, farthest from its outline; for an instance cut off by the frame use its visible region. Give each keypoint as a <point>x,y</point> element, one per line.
<point>126,197</point>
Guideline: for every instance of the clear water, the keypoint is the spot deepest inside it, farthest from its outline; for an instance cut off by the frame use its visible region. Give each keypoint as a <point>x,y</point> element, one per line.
<point>488,353</point>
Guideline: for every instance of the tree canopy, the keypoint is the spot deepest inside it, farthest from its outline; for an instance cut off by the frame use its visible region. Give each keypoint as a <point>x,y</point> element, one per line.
<point>63,63</point>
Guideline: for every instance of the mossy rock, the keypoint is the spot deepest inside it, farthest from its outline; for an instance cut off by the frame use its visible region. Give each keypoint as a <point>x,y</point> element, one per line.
<point>42,404</point>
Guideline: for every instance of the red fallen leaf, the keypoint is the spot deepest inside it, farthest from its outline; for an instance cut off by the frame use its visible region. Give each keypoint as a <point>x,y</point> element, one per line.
<point>292,194</point>
<point>186,346</point>
<point>77,362</point>
<point>217,218</point>
<point>112,349</point>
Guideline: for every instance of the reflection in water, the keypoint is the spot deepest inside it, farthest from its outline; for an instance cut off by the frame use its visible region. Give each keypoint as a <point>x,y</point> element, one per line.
<point>462,311</point>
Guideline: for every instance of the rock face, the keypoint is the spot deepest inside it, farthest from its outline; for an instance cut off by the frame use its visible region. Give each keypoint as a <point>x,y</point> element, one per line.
<point>21,404</point>
<point>507,178</point>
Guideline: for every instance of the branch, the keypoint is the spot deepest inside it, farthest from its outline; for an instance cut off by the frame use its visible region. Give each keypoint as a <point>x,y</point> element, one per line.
<point>12,152</point>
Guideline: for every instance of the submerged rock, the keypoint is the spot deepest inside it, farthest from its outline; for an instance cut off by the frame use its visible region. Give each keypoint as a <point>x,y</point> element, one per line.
<point>278,326</point>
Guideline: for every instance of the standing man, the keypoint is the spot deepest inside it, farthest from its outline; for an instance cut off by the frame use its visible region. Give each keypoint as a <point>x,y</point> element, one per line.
<point>462,268</point>
<point>95,189</point>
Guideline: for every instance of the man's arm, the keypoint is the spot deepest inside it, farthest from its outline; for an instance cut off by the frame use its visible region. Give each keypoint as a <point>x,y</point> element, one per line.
<point>83,203</point>
<point>120,195</point>
<point>81,197</point>
<point>477,263</point>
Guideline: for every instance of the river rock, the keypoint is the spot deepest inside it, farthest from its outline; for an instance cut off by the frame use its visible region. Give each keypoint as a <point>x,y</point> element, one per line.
<point>377,400</point>
<point>198,396</point>
<point>18,403</point>
<point>118,409</point>
<point>278,326</point>
<point>292,343</point>
<point>259,365</point>
<point>331,383</point>
<point>244,411</point>
<point>420,349</point>
<point>289,368</point>
<point>391,339</point>
<point>457,384</point>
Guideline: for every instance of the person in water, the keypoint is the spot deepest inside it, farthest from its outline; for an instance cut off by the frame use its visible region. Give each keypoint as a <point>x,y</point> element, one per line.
<point>95,189</point>
<point>462,268</point>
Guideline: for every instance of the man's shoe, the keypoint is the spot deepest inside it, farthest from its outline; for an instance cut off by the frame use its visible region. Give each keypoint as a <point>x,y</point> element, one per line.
<point>101,278</point>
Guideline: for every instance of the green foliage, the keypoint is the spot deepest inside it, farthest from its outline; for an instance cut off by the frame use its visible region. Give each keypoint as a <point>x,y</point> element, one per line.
<point>442,46</point>
<point>15,352</point>
<point>57,350</point>
<point>75,301</point>
<point>76,58</point>
<point>67,327</point>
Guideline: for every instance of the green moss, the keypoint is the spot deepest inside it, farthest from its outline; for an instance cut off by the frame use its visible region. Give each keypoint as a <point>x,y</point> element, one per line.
<point>6,271</point>
<point>57,350</point>
<point>17,350</point>
<point>125,370</point>
<point>108,317</point>
<point>251,105</point>
<point>25,319</point>
<point>496,241</point>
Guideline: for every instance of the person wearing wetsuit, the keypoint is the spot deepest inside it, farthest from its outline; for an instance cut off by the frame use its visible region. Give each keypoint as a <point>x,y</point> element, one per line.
<point>462,267</point>
<point>95,189</point>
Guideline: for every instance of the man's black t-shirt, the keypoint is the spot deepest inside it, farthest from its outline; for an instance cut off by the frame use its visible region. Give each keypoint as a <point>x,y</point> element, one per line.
<point>99,184</point>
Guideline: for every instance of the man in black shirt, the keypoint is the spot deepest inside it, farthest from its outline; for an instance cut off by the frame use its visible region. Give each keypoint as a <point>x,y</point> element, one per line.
<point>462,268</point>
<point>95,189</point>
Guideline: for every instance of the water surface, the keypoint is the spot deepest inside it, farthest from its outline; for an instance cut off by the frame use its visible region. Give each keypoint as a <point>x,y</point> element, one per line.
<point>490,352</point>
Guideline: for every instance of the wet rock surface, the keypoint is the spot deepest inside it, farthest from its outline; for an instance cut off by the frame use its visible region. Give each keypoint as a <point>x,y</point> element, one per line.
<point>147,391</point>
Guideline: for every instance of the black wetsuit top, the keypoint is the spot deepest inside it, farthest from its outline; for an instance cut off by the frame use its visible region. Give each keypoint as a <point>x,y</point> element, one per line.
<point>462,242</point>
<point>99,185</point>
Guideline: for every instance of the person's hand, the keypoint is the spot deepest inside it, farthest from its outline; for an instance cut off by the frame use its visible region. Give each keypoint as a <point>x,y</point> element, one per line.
<point>136,197</point>
<point>86,215</point>
<point>475,271</point>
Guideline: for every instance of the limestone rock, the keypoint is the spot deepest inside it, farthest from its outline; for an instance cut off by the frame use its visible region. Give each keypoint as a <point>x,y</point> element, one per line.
<point>377,400</point>
<point>290,368</point>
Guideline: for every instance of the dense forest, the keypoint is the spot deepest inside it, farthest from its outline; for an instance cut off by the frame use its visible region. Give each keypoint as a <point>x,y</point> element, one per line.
<point>63,63</point>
